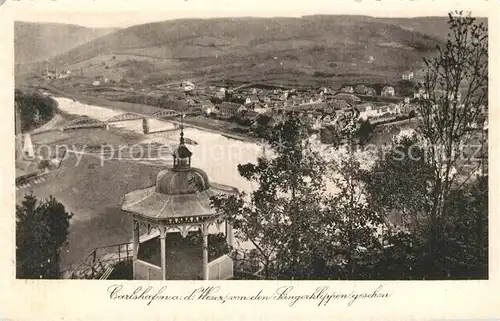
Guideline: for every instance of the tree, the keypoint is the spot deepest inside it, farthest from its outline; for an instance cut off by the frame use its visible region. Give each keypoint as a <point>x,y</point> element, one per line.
<point>398,183</point>
<point>281,217</point>
<point>463,246</point>
<point>35,109</point>
<point>365,132</point>
<point>423,180</point>
<point>261,125</point>
<point>397,189</point>
<point>459,70</point>
<point>349,226</point>
<point>41,232</point>
<point>360,89</point>
<point>412,114</point>
<point>406,88</point>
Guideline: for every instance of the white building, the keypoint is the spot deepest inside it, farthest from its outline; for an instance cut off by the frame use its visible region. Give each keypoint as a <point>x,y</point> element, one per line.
<point>367,111</point>
<point>28,150</point>
<point>388,91</point>
<point>260,109</point>
<point>408,75</point>
<point>187,86</point>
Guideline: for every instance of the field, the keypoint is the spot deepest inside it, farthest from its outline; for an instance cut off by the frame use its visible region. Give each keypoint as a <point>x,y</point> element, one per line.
<point>91,191</point>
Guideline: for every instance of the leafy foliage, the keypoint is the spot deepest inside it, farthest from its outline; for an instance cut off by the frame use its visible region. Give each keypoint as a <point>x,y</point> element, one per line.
<point>398,183</point>
<point>365,132</point>
<point>261,125</point>
<point>422,182</point>
<point>35,109</point>
<point>217,245</point>
<point>457,85</point>
<point>41,232</point>
<point>350,226</point>
<point>281,217</point>
<point>405,88</point>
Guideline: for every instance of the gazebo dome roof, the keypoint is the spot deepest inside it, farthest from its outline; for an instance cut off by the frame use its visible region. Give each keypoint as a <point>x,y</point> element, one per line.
<point>181,194</point>
<point>177,182</point>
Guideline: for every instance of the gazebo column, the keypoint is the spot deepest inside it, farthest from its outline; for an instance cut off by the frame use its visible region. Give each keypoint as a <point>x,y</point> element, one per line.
<point>204,230</point>
<point>163,243</point>
<point>135,244</point>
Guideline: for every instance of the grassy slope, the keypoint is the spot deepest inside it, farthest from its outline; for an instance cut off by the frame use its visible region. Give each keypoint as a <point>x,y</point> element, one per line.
<point>435,26</point>
<point>39,41</point>
<point>92,192</point>
<point>310,48</point>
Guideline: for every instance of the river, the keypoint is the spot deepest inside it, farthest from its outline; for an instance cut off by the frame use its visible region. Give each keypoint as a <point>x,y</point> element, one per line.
<point>217,155</point>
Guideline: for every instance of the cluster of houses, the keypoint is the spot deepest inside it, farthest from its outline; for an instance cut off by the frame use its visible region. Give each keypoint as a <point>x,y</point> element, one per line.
<point>318,105</point>
<point>56,74</point>
<point>102,80</point>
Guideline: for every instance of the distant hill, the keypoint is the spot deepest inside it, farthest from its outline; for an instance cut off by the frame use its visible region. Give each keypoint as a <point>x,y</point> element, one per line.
<point>275,50</point>
<point>39,41</point>
<point>434,26</point>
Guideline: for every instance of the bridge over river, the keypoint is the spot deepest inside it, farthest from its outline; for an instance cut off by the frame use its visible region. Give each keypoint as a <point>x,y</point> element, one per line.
<point>88,122</point>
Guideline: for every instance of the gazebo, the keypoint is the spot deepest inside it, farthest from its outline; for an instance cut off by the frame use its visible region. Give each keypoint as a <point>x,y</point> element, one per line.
<point>178,203</point>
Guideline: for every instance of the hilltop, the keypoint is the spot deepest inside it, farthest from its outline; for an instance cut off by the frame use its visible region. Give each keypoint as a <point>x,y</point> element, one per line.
<point>39,41</point>
<point>287,51</point>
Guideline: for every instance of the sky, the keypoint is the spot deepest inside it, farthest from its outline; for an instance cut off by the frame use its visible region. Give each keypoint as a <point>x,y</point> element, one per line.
<point>125,13</point>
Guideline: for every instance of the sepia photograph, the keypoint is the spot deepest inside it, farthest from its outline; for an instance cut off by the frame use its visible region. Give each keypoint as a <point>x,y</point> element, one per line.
<point>289,147</point>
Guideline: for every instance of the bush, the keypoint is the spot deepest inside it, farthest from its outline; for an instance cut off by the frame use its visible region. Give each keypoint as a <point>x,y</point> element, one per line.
<point>41,232</point>
<point>35,109</point>
<point>365,132</point>
<point>405,88</point>
<point>45,163</point>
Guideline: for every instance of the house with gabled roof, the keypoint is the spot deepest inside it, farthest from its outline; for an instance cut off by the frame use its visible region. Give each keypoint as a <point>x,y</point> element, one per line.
<point>348,97</point>
<point>347,89</point>
<point>339,104</point>
<point>407,75</point>
<point>229,109</point>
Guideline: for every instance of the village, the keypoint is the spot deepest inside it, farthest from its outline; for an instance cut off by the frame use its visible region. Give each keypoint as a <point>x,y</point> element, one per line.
<point>236,109</point>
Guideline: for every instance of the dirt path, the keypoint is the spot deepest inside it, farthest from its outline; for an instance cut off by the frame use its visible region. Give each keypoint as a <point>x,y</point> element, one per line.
<point>52,124</point>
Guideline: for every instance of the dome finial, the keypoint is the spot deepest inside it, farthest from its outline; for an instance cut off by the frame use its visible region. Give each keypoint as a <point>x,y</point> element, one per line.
<point>182,155</point>
<point>182,128</point>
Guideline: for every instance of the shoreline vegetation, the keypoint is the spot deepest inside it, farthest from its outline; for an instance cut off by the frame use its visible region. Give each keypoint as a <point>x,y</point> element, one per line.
<point>35,109</point>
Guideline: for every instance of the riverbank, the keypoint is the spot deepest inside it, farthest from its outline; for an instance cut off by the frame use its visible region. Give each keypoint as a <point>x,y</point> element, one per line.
<point>200,122</point>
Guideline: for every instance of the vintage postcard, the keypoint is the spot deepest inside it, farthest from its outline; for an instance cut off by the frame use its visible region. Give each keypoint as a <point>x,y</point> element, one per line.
<point>225,160</point>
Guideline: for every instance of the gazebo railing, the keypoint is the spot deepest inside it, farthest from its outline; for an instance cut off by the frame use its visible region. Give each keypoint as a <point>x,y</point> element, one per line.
<point>100,261</point>
<point>146,271</point>
<point>221,268</point>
